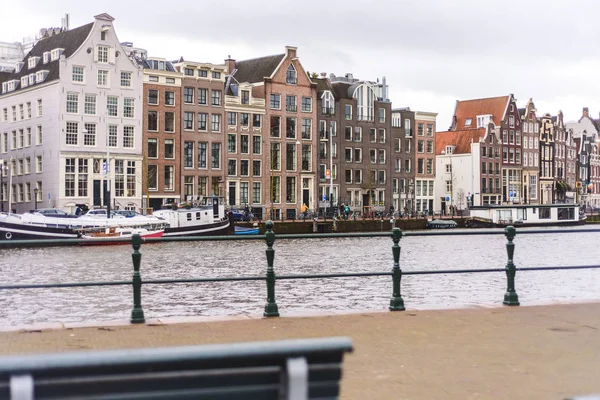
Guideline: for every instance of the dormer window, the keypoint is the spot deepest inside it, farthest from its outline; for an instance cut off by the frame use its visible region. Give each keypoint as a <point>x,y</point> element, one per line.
<point>46,57</point>
<point>19,66</point>
<point>245,97</point>
<point>449,150</point>
<point>468,121</point>
<point>290,75</point>
<point>55,54</point>
<point>32,62</point>
<point>4,87</point>
<point>24,81</point>
<point>483,120</point>
<point>41,75</point>
<point>31,79</point>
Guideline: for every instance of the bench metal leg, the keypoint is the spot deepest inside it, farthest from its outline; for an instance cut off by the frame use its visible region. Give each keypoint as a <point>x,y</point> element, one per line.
<point>21,387</point>
<point>297,379</point>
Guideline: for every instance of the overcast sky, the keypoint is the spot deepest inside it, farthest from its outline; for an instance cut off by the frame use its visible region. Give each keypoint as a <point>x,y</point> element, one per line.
<point>433,52</point>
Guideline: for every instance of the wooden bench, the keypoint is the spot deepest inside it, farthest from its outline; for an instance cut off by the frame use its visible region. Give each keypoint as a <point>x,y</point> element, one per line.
<point>288,369</point>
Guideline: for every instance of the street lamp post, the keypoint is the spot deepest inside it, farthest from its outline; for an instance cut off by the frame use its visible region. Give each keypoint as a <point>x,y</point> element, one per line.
<point>35,197</point>
<point>107,174</point>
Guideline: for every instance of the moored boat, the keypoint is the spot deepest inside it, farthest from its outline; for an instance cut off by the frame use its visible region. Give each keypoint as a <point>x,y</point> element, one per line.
<point>208,217</point>
<point>496,216</point>
<point>441,224</point>
<point>242,230</point>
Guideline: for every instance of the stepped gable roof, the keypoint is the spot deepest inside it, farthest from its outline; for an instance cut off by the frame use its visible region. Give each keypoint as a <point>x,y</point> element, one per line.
<point>70,41</point>
<point>256,69</point>
<point>461,139</point>
<point>494,106</point>
<point>340,90</point>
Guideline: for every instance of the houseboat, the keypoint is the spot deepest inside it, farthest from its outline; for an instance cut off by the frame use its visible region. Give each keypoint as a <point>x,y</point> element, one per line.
<point>493,216</point>
<point>208,217</point>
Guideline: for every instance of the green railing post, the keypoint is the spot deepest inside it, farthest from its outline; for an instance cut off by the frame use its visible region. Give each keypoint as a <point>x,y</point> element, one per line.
<point>137,314</point>
<point>510,297</point>
<point>271,309</point>
<point>396,302</point>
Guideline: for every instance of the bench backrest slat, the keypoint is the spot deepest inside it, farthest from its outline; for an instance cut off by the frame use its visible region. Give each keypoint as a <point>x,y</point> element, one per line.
<point>291,370</point>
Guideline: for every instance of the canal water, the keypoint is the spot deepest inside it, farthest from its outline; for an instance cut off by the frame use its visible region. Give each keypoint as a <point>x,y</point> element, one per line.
<point>307,256</point>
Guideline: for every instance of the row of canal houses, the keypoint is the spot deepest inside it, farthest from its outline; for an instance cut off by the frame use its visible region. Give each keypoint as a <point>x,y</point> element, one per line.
<point>497,153</point>
<point>87,119</point>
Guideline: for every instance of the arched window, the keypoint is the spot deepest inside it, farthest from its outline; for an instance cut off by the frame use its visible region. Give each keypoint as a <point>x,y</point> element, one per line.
<point>290,75</point>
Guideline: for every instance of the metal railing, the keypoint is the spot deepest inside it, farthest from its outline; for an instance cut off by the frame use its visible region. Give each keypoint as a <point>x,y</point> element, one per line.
<point>271,309</point>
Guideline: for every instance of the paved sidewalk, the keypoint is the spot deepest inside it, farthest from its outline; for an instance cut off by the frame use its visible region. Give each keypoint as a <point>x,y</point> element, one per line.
<point>545,352</point>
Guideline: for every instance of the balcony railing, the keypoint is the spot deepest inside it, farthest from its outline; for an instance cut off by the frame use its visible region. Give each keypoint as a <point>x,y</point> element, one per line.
<point>329,111</point>
<point>291,108</point>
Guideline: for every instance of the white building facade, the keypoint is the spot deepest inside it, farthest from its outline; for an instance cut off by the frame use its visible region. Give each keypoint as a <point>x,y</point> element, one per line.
<point>74,102</point>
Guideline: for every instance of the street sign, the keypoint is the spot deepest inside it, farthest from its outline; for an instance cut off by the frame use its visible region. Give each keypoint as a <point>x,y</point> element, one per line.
<point>447,198</point>
<point>324,197</point>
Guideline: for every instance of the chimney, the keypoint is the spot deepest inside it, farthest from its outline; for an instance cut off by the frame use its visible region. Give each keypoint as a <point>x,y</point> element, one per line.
<point>384,93</point>
<point>230,64</point>
<point>349,76</point>
<point>323,75</point>
<point>586,112</point>
<point>291,51</point>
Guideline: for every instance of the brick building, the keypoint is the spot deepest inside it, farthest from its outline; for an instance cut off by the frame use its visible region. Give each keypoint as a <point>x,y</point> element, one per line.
<point>425,161</point>
<point>403,159</point>
<point>290,119</point>
<point>531,168</point>
<point>161,132</point>
<point>202,129</point>
<point>364,121</point>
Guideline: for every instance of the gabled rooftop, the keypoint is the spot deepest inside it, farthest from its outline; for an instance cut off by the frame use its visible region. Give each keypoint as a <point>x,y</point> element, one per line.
<point>256,69</point>
<point>470,109</point>
<point>70,41</point>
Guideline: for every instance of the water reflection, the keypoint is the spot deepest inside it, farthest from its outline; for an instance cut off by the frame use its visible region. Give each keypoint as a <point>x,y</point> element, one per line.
<point>312,256</point>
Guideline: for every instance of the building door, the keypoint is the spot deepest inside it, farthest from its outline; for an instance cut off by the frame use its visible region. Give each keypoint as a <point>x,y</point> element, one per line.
<point>97,193</point>
<point>306,192</point>
<point>232,190</point>
<point>215,204</point>
<point>443,210</point>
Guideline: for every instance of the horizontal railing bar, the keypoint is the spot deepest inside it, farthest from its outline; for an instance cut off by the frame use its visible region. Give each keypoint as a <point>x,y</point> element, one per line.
<point>339,275</point>
<point>290,277</point>
<point>64,285</point>
<point>558,268</point>
<point>203,280</point>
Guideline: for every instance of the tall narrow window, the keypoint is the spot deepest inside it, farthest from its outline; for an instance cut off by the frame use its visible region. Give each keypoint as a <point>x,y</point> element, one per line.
<point>290,75</point>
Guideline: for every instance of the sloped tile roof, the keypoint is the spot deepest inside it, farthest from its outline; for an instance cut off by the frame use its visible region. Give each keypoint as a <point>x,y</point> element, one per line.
<point>256,69</point>
<point>466,109</point>
<point>4,76</point>
<point>69,41</point>
<point>462,139</point>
